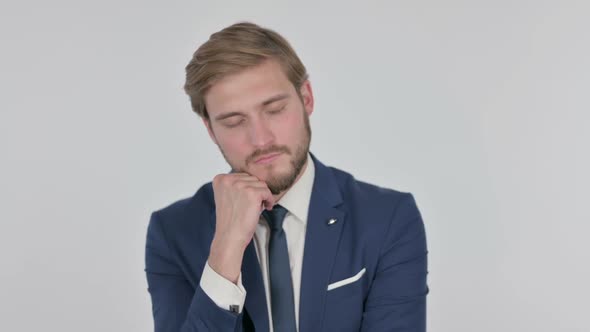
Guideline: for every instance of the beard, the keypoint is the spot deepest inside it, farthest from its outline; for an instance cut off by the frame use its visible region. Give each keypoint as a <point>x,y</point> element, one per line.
<point>277,183</point>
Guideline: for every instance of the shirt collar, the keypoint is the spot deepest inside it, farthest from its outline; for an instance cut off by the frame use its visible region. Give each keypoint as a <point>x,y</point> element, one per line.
<point>296,199</point>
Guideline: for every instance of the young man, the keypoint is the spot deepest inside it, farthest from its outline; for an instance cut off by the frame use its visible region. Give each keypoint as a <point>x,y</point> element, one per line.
<point>282,242</point>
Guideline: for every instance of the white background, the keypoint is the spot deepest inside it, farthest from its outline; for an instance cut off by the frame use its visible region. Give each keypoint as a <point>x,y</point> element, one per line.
<point>479,108</point>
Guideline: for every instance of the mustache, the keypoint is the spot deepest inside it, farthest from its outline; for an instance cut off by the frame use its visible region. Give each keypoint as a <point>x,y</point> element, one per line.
<point>273,149</point>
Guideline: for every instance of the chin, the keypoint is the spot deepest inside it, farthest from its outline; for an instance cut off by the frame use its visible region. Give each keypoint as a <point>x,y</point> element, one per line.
<point>269,173</point>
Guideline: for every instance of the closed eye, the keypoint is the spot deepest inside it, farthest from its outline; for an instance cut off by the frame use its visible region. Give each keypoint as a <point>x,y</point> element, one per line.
<point>277,110</point>
<point>234,124</point>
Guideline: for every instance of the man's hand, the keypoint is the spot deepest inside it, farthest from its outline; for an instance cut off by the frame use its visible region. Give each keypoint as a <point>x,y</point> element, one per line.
<point>239,200</point>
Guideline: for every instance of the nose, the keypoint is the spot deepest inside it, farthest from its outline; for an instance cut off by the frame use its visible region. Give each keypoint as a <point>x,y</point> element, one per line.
<point>261,134</point>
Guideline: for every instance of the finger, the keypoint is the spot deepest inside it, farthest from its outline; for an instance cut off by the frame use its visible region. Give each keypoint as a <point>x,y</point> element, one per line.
<point>253,184</point>
<point>240,181</point>
<point>264,196</point>
<point>241,175</point>
<point>268,199</point>
<point>248,180</point>
<point>266,205</point>
<point>245,175</point>
<point>250,185</point>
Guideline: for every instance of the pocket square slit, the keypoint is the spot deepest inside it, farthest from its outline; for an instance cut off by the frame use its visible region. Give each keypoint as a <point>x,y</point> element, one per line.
<point>347,280</point>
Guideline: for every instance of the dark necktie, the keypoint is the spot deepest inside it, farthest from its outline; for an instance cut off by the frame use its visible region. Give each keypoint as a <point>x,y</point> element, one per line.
<point>281,286</point>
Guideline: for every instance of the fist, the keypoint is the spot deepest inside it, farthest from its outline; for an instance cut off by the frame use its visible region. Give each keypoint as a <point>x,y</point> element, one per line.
<point>239,200</point>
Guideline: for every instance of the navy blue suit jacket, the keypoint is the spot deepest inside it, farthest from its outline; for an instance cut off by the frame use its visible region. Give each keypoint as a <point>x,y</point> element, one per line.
<point>376,229</point>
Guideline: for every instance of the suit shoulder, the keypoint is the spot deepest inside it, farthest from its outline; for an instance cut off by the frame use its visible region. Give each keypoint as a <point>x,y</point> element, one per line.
<point>375,211</point>
<point>201,201</point>
<point>355,189</point>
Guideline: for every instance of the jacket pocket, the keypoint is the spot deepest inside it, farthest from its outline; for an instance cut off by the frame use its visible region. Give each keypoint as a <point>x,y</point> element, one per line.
<point>347,281</point>
<point>346,288</point>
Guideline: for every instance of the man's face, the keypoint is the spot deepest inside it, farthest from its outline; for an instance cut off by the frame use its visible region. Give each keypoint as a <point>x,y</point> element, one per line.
<point>261,124</point>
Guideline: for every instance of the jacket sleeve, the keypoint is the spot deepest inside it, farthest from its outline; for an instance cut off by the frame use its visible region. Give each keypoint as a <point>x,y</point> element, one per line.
<point>176,305</point>
<point>397,298</point>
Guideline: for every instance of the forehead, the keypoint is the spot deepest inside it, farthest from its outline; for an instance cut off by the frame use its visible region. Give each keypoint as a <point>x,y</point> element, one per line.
<point>246,90</point>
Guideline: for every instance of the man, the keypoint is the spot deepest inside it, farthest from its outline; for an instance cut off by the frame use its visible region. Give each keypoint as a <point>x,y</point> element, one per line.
<point>282,242</point>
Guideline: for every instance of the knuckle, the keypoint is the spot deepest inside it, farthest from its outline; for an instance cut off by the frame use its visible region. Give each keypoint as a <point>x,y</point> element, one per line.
<point>218,179</point>
<point>240,185</point>
<point>252,193</point>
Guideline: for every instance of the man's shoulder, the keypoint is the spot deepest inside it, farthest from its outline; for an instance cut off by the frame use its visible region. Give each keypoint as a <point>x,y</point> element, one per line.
<point>374,209</point>
<point>201,203</point>
<point>370,205</point>
<point>356,189</point>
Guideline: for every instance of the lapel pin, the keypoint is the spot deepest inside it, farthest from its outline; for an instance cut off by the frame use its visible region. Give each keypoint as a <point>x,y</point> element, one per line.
<point>332,221</point>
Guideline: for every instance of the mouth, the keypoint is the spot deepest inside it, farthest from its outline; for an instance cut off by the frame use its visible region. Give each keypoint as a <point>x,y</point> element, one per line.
<point>268,158</point>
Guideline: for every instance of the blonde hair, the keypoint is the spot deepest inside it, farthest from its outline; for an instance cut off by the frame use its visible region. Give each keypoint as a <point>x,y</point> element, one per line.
<point>233,49</point>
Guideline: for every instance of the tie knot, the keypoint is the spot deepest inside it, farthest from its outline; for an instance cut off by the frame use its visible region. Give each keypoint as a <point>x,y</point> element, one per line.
<point>275,217</point>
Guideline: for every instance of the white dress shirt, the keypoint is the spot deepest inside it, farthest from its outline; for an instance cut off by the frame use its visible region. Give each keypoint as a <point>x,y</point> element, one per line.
<point>296,200</point>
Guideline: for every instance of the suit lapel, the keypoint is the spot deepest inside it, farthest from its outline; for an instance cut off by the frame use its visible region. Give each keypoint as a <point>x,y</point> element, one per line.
<point>321,244</point>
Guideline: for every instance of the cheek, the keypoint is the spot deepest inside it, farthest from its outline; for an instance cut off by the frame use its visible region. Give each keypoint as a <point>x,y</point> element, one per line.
<point>294,130</point>
<point>234,147</point>
<point>289,129</point>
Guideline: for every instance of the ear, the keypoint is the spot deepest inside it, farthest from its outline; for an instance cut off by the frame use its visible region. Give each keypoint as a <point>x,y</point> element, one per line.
<point>207,123</point>
<point>307,96</point>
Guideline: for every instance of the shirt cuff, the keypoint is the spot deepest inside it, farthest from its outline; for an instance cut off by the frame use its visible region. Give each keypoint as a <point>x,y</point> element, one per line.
<point>223,292</point>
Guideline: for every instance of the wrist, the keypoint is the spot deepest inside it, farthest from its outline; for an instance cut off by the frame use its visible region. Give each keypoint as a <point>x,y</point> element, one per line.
<point>225,258</point>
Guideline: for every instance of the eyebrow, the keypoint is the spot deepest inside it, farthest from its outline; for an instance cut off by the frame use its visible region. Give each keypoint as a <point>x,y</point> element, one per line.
<point>264,103</point>
<point>275,98</point>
